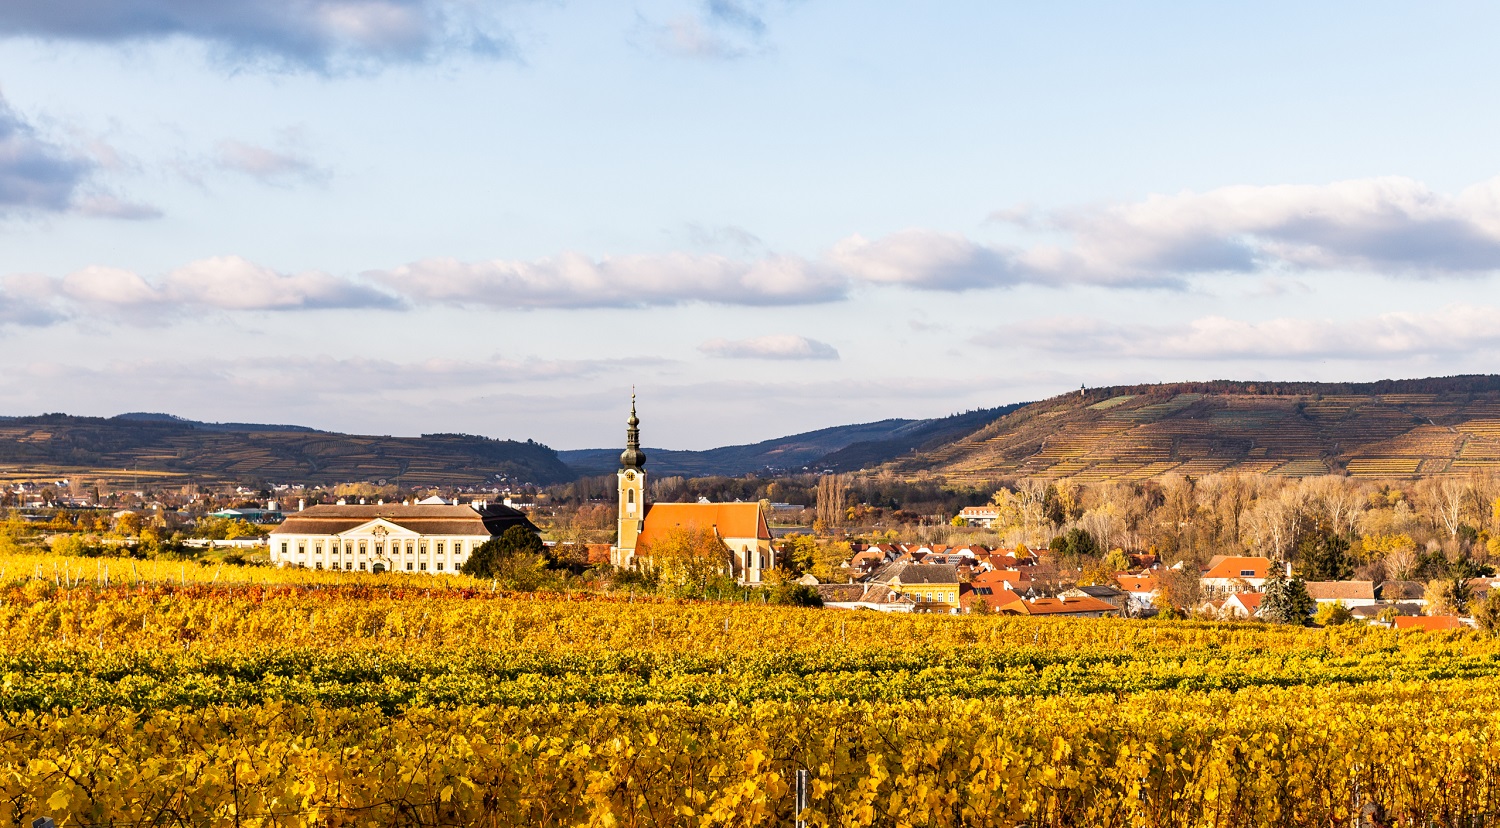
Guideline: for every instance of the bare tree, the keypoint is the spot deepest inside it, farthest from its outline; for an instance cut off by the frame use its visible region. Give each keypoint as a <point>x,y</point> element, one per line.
<point>831,506</point>
<point>1443,499</point>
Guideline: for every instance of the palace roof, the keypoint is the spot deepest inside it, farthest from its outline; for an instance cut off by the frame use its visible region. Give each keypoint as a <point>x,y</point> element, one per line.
<point>425,520</point>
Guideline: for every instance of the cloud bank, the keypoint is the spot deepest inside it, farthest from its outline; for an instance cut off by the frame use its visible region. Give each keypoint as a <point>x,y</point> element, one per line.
<point>319,35</point>
<point>771,346</point>
<point>1391,228</point>
<point>1455,329</point>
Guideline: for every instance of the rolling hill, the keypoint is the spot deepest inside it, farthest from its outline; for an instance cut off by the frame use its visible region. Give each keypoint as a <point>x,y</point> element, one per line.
<point>135,448</point>
<point>1387,429</point>
<point>840,448</point>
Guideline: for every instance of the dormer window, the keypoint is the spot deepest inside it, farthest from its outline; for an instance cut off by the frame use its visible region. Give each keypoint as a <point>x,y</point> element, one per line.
<point>1247,573</point>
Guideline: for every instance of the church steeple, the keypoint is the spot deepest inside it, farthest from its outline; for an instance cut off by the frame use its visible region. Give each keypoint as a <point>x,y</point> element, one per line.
<point>632,478</point>
<point>633,457</point>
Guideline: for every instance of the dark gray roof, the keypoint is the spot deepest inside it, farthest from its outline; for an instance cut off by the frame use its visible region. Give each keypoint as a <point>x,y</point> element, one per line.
<point>1099,591</point>
<point>1400,590</point>
<point>909,572</point>
<point>427,520</point>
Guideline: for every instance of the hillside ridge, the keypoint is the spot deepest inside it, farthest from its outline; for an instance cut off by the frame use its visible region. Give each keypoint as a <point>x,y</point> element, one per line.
<point>170,450</point>
<point>1389,428</point>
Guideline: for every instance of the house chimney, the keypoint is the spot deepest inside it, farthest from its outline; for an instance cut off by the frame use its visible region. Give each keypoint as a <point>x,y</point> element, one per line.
<point>301,504</point>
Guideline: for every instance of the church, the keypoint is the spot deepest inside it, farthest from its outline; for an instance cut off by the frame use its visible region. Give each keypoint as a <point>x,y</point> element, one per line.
<point>741,527</point>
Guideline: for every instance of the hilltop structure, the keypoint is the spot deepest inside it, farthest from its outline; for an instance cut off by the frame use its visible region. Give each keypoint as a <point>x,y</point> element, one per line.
<point>741,527</point>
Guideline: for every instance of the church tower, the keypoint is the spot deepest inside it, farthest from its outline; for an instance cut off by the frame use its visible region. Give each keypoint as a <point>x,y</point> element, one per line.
<point>632,492</point>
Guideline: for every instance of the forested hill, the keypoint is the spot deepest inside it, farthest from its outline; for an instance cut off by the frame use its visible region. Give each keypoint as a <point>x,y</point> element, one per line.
<point>158,446</point>
<point>840,448</point>
<point>1391,428</point>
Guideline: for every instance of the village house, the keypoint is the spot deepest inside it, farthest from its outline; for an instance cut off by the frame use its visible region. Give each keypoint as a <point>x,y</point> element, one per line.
<point>1242,605</point>
<point>1142,590</point>
<point>934,587</point>
<point>1233,573</point>
<point>1350,593</point>
<point>1116,598</point>
<point>1061,607</point>
<point>878,597</point>
<point>983,516</point>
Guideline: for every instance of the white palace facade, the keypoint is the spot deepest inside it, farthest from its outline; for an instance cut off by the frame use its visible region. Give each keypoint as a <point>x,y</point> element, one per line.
<point>388,537</point>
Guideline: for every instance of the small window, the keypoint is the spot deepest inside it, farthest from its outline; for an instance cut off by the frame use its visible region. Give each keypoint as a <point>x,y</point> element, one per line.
<point>440,547</point>
<point>408,566</point>
<point>361,566</point>
<point>458,546</point>
<point>318,565</point>
<point>440,566</point>
<point>301,549</point>
<point>423,565</point>
<point>361,548</point>
<point>283,548</point>
<point>379,549</point>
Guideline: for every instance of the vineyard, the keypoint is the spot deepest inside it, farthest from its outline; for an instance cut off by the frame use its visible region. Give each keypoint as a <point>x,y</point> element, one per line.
<point>1146,432</point>
<point>149,693</point>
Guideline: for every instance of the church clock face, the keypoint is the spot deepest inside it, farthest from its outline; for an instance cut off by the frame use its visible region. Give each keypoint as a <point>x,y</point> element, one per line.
<point>630,475</point>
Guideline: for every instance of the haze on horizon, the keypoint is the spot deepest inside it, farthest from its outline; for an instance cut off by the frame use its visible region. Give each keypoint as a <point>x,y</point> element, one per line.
<point>770,216</point>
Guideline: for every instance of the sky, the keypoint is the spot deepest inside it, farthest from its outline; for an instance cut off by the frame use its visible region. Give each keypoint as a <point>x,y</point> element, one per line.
<point>765,216</point>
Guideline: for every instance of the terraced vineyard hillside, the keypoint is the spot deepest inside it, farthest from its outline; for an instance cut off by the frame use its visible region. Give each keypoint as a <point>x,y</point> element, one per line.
<point>1401,428</point>
<point>167,451</point>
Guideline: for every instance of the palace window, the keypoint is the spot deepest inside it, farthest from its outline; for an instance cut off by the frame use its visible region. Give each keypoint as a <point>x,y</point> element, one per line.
<point>318,565</point>
<point>379,549</point>
<point>361,566</point>
<point>458,546</point>
<point>408,566</point>
<point>318,548</point>
<point>301,550</point>
<point>422,548</point>
<point>283,548</point>
<point>440,547</point>
<point>440,566</point>
<point>361,549</point>
<point>423,565</point>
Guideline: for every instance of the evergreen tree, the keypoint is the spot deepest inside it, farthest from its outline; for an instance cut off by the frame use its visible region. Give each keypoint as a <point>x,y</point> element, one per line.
<point>1286,600</point>
<point>512,556</point>
<point>1324,556</point>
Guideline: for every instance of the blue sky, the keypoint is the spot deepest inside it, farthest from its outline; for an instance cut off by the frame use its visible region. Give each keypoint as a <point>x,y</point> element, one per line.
<point>402,216</point>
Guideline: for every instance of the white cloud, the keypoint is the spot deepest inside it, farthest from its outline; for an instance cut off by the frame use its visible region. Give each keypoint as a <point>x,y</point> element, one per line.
<point>320,35</point>
<point>108,206</point>
<point>35,174</point>
<point>1390,226</point>
<point>1456,329</point>
<point>771,346</point>
<point>266,165</point>
<point>224,283</point>
<point>576,281</point>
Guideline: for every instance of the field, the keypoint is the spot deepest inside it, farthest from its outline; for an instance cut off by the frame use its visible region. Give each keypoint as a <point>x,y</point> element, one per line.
<point>170,694</point>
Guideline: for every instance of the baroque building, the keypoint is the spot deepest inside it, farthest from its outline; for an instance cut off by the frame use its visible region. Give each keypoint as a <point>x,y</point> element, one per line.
<point>741,527</point>
<point>389,537</point>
